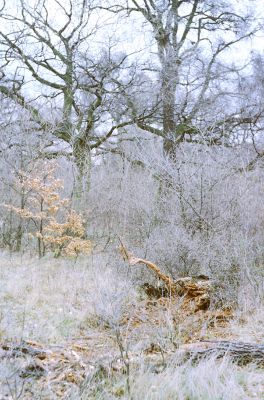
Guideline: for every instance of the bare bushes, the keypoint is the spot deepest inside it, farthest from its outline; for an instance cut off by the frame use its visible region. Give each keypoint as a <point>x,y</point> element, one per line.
<point>200,214</point>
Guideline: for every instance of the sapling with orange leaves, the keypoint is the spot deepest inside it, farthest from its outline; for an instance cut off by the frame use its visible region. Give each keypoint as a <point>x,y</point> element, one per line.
<point>55,225</point>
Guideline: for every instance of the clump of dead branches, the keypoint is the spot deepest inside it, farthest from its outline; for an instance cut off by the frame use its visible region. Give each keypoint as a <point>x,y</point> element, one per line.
<point>194,290</point>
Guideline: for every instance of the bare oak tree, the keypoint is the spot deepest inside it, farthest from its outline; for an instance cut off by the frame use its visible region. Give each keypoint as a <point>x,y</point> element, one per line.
<point>192,38</point>
<point>71,88</point>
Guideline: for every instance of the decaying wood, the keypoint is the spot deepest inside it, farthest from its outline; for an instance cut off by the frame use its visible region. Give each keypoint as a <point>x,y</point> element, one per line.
<point>193,289</point>
<point>59,366</point>
<point>156,359</point>
<point>240,352</point>
<point>132,260</point>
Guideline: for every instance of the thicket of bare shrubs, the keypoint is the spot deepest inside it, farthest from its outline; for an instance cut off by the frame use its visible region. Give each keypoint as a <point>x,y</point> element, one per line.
<point>202,213</point>
<point>199,214</point>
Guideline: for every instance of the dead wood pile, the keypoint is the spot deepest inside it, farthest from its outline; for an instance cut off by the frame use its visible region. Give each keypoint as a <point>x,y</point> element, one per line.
<point>195,291</point>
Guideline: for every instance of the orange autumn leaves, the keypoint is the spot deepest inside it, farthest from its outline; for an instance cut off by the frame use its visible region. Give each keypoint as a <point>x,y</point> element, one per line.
<point>56,226</point>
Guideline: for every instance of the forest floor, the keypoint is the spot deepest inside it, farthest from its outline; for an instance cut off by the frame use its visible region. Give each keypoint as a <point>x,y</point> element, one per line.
<point>82,330</point>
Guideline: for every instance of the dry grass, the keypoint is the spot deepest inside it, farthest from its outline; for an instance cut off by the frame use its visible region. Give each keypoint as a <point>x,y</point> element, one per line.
<point>208,380</point>
<point>44,300</point>
<point>56,301</point>
<point>249,326</point>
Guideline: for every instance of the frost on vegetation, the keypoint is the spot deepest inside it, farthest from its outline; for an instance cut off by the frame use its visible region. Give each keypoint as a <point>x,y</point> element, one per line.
<point>43,300</point>
<point>110,298</point>
<point>207,221</point>
<point>210,379</point>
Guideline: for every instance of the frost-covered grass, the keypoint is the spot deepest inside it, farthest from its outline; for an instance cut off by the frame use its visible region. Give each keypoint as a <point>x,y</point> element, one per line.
<point>49,300</point>
<point>40,299</point>
<point>209,380</point>
<point>55,300</point>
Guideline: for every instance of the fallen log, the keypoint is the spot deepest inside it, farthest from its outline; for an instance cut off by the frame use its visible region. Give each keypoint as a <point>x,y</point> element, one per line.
<point>194,289</point>
<point>241,353</point>
<point>156,359</point>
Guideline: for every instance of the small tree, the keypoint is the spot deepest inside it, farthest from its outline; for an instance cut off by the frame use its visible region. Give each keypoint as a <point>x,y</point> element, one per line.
<point>67,237</point>
<point>56,226</point>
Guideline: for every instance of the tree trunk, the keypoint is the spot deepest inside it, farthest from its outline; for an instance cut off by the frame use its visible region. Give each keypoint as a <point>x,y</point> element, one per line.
<point>82,157</point>
<point>19,232</point>
<point>169,78</point>
<point>41,245</point>
<point>168,111</point>
<point>19,235</point>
